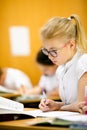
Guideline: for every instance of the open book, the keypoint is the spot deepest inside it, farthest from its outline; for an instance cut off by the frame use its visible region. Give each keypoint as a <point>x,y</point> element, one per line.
<point>8,106</point>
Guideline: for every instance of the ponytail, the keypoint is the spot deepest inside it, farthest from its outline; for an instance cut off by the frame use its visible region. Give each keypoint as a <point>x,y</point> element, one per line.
<point>62,27</point>
<point>80,34</point>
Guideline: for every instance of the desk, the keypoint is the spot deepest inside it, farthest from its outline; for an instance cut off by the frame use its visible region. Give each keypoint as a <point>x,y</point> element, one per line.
<point>9,95</point>
<point>22,125</point>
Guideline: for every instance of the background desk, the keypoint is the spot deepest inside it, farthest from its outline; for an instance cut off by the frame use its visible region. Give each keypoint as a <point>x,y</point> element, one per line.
<point>33,103</point>
<point>9,95</point>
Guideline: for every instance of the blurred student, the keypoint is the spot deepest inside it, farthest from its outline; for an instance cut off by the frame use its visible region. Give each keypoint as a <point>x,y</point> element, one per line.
<point>15,79</point>
<point>48,80</point>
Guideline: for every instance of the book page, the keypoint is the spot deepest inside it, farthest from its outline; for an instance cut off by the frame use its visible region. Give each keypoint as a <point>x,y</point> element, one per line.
<point>52,114</point>
<point>38,113</point>
<point>5,111</point>
<point>76,118</point>
<point>34,113</point>
<point>10,105</point>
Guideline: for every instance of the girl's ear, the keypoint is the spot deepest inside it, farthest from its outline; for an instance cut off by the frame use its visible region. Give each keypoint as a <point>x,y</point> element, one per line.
<point>72,44</point>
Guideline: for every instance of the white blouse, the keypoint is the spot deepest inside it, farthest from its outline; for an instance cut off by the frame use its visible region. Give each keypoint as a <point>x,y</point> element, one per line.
<point>69,75</point>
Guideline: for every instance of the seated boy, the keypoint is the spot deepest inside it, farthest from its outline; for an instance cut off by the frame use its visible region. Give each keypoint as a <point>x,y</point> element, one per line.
<point>48,80</point>
<point>15,79</point>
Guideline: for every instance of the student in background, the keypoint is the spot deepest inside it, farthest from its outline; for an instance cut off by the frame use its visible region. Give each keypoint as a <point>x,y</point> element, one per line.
<point>15,79</point>
<point>48,80</point>
<point>65,44</point>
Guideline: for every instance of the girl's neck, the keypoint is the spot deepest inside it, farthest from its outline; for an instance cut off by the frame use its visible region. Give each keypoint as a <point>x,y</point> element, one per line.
<point>72,55</point>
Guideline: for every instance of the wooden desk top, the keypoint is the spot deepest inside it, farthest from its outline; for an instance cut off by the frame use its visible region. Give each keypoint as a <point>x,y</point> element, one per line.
<point>9,95</point>
<point>23,124</point>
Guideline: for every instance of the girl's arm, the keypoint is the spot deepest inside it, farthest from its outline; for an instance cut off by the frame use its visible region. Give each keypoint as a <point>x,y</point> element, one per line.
<point>77,106</point>
<point>53,92</point>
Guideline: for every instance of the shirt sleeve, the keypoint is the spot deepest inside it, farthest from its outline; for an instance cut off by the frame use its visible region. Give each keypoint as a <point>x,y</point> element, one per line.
<point>81,66</point>
<point>42,82</point>
<point>19,81</point>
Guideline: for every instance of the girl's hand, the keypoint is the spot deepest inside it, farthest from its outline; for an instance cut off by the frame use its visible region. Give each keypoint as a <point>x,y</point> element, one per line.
<point>76,107</point>
<point>84,109</point>
<point>49,105</point>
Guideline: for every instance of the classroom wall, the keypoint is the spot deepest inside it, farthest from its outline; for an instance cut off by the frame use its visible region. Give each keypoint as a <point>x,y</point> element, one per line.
<point>33,14</point>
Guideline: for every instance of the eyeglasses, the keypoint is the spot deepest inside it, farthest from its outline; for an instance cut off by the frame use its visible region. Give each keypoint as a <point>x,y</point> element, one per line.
<point>53,53</point>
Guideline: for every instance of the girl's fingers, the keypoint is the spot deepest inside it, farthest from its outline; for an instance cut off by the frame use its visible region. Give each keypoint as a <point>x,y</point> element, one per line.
<point>85,108</point>
<point>43,103</point>
<point>46,105</point>
<point>80,111</point>
<point>49,102</point>
<point>43,108</point>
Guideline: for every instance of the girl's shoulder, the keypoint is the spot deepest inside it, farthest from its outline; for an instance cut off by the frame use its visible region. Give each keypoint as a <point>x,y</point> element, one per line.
<point>83,59</point>
<point>81,67</point>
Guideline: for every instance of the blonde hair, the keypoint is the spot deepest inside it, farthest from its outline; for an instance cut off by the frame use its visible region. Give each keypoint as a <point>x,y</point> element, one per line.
<point>69,28</point>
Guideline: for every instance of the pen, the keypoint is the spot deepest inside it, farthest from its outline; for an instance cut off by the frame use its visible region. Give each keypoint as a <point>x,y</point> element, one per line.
<point>44,95</point>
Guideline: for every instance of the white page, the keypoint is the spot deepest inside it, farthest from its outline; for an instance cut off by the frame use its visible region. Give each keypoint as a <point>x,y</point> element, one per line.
<point>65,115</point>
<point>5,111</point>
<point>52,114</point>
<point>78,118</point>
<point>33,113</point>
<point>10,104</point>
<point>57,114</point>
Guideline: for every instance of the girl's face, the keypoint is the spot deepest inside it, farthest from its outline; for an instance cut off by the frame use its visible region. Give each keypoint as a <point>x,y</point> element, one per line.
<point>59,51</point>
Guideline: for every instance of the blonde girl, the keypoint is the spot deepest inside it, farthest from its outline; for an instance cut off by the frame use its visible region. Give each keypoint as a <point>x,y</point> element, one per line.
<point>65,44</point>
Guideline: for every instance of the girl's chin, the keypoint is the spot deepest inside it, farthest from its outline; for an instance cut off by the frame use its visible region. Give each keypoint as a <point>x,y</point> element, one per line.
<point>55,62</point>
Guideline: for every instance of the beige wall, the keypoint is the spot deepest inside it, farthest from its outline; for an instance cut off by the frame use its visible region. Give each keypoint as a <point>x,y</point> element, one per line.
<point>33,14</point>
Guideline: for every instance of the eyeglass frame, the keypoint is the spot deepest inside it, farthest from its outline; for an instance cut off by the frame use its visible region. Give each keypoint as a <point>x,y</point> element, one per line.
<point>54,51</point>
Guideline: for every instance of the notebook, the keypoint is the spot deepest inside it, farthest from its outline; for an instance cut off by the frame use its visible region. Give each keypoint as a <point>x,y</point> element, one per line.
<point>39,113</point>
<point>8,106</point>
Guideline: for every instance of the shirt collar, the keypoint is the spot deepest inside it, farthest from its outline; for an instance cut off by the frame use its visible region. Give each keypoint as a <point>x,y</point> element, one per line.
<point>69,63</point>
